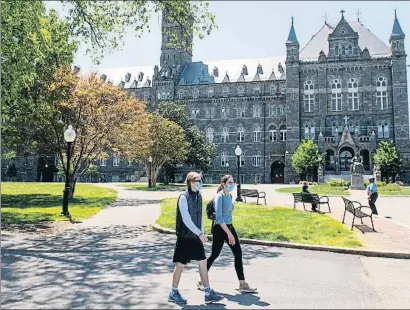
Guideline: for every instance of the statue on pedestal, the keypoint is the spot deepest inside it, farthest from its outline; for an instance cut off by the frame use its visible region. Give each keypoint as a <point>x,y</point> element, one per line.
<point>320,177</point>
<point>357,171</point>
<point>377,173</point>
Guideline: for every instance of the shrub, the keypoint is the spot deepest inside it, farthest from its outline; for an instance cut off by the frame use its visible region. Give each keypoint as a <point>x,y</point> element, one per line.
<point>378,183</point>
<point>339,183</point>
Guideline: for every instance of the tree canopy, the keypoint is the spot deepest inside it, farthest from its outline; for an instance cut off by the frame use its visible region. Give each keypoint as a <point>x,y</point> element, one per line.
<point>388,158</point>
<point>307,157</point>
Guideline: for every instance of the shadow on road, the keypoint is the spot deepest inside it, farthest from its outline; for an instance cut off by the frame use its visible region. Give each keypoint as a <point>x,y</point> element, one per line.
<point>95,267</point>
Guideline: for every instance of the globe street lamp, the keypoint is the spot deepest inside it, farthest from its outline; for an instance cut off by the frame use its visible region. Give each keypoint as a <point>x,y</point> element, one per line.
<point>227,167</point>
<point>149,168</point>
<point>238,153</point>
<point>69,137</point>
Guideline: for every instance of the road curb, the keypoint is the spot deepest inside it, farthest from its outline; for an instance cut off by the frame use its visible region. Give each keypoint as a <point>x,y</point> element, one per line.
<point>352,251</point>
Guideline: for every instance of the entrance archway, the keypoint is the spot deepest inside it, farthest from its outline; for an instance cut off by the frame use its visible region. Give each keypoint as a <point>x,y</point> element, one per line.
<point>277,172</point>
<point>345,158</point>
<point>365,155</point>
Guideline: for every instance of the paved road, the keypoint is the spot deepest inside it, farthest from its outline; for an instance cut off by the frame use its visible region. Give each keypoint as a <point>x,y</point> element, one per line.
<point>113,261</point>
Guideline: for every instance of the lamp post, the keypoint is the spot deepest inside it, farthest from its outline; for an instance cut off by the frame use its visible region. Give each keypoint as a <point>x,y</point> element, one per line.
<point>227,167</point>
<point>69,137</point>
<point>149,172</point>
<point>238,153</point>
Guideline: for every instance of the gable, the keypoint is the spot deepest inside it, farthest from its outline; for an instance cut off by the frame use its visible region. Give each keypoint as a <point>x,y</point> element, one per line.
<point>342,31</point>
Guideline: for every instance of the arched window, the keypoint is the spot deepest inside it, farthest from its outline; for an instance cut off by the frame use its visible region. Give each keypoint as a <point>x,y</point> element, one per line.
<point>309,131</point>
<point>282,130</point>
<point>225,91</point>
<point>241,91</point>
<point>273,134</point>
<point>256,159</point>
<point>224,112</point>
<point>195,93</point>
<point>181,94</point>
<point>343,50</point>
<point>271,109</point>
<point>224,159</point>
<point>242,161</point>
<point>241,134</point>
<point>225,134</point>
<point>272,90</point>
<point>257,134</point>
<point>308,96</point>
<point>381,93</point>
<point>383,130</point>
<point>336,50</point>
<point>210,92</point>
<point>350,50</point>
<point>256,111</point>
<point>353,95</point>
<point>336,95</point>
<point>209,135</point>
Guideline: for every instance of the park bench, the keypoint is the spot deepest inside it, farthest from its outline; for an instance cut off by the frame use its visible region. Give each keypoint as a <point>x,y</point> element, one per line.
<point>356,211</point>
<point>310,198</point>
<point>253,193</point>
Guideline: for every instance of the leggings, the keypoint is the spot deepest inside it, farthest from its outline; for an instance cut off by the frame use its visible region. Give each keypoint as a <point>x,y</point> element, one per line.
<point>219,237</point>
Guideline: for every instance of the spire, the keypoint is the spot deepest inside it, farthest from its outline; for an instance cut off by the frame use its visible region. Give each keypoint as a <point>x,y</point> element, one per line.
<point>292,35</point>
<point>397,31</point>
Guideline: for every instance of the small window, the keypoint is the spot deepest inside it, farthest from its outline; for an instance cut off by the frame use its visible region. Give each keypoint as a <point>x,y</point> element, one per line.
<point>336,50</point>
<point>210,93</point>
<point>241,91</point>
<point>181,94</point>
<point>195,93</point>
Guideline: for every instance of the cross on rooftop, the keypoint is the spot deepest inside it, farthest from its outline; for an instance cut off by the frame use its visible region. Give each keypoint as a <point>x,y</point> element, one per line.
<point>358,13</point>
<point>342,11</point>
<point>325,16</point>
<point>346,118</point>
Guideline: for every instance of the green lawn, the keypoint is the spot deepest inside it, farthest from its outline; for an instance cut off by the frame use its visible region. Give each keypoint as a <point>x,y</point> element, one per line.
<point>37,202</point>
<point>320,189</point>
<point>160,187</point>
<point>276,224</point>
<point>405,191</point>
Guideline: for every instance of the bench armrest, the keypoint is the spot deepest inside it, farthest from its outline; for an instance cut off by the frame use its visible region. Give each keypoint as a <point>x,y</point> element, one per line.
<point>360,208</point>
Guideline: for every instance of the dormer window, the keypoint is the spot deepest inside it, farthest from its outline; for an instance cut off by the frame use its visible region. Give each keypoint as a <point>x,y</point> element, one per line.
<point>336,50</point>
<point>350,50</point>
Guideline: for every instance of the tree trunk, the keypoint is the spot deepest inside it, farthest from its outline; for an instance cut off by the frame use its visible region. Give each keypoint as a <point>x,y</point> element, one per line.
<point>154,175</point>
<point>72,182</point>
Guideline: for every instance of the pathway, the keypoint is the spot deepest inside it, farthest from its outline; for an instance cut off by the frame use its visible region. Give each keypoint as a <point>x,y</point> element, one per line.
<point>112,260</point>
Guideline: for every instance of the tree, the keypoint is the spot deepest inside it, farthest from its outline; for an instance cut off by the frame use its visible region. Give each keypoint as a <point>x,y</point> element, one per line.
<point>92,171</point>
<point>168,144</point>
<point>101,114</point>
<point>34,44</point>
<point>388,158</point>
<point>200,154</point>
<point>307,157</point>
<point>101,25</point>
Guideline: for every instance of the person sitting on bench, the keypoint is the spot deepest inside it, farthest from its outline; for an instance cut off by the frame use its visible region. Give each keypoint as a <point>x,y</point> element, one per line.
<point>305,189</point>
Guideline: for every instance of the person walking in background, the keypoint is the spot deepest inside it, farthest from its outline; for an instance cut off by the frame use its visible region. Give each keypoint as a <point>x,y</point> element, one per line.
<point>372,195</point>
<point>190,239</point>
<point>305,189</point>
<point>224,231</point>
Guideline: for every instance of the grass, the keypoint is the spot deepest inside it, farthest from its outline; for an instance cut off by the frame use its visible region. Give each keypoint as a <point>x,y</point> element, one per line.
<point>276,224</point>
<point>405,191</point>
<point>38,202</point>
<point>320,189</point>
<point>160,187</point>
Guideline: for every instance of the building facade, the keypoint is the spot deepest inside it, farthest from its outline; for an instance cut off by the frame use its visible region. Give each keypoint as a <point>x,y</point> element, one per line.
<point>346,90</point>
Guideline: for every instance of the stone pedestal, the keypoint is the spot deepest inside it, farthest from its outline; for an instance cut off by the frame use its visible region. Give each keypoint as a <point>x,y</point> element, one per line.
<point>357,181</point>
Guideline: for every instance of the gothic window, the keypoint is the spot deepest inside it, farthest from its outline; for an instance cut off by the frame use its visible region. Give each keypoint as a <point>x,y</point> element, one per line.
<point>256,160</point>
<point>282,130</point>
<point>194,113</point>
<point>115,160</point>
<point>350,50</point>
<point>386,130</point>
<point>336,50</point>
<point>181,94</point>
<point>272,90</point>
<point>277,111</point>
<point>209,135</point>
<point>306,132</point>
<point>381,93</point>
<point>195,93</point>
<point>383,130</point>
<point>225,91</point>
<point>308,96</point>
<point>271,109</point>
<point>256,90</point>
<point>103,162</point>
<point>256,110</point>
<point>241,134</point>
<point>257,134</point>
<point>242,160</point>
<point>335,129</point>
<point>207,113</point>
<point>282,110</point>
<point>241,112</point>
<point>336,95</point>
<point>225,134</point>
<point>353,95</point>
<point>241,91</point>
<point>224,158</point>
<point>210,92</point>
<point>224,112</point>
<point>309,132</point>
<point>343,50</point>
<point>212,112</point>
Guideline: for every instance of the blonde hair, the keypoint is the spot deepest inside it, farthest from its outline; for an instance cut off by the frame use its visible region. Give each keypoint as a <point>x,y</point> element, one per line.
<point>224,179</point>
<point>191,176</point>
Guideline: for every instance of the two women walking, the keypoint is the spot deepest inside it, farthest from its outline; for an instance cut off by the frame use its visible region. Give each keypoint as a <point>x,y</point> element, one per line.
<point>191,237</point>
